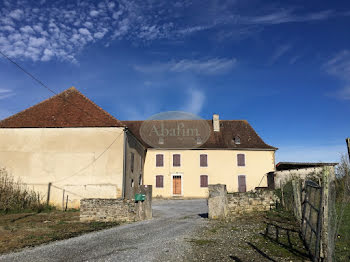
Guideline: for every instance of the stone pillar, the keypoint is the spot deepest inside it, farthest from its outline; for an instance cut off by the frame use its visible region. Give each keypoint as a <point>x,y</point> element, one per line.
<point>144,208</point>
<point>217,202</point>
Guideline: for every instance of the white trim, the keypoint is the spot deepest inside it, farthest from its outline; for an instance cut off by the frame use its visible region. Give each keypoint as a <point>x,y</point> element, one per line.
<point>172,157</point>
<point>155,164</point>
<point>172,184</point>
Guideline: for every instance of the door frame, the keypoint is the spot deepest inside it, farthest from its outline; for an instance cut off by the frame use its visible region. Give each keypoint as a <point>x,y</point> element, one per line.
<point>172,184</point>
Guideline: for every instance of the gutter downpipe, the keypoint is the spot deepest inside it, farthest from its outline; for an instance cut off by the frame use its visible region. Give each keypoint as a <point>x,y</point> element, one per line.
<point>124,161</point>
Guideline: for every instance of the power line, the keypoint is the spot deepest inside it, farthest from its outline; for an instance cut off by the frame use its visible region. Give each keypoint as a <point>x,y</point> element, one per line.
<point>26,72</point>
<point>52,91</point>
<point>84,168</point>
<point>42,84</point>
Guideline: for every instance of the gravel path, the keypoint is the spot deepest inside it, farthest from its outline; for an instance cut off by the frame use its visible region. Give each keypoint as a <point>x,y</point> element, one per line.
<point>161,239</point>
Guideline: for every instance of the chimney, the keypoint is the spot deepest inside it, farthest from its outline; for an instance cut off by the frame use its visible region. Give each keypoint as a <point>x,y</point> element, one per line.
<point>216,123</point>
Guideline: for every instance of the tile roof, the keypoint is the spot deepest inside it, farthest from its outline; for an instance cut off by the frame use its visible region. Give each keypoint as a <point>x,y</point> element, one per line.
<point>67,109</point>
<point>229,129</point>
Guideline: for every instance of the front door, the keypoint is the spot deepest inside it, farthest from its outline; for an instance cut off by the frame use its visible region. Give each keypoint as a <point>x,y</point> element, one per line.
<point>176,185</point>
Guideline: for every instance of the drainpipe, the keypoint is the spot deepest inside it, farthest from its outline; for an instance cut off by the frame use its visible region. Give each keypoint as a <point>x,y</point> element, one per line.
<point>124,161</point>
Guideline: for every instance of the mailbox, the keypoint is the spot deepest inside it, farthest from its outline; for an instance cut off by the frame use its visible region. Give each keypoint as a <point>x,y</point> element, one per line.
<point>140,197</point>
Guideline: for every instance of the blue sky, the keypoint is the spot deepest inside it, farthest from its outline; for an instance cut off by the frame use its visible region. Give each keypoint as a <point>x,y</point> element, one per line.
<point>285,67</point>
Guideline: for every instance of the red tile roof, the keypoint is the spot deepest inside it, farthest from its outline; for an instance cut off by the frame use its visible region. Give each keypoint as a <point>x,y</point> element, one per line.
<point>229,129</point>
<point>67,109</point>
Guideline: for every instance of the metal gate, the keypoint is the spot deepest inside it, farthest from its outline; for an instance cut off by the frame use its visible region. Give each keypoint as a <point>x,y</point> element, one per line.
<point>312,218</point>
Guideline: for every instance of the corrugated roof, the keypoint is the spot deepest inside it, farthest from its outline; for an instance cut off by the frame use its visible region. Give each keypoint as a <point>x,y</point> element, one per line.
<point>297,165</point>
<point>67,109</point>
<point>229,129</point>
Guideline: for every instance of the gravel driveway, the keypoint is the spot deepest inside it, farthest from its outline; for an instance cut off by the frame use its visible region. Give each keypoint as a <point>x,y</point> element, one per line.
<point>161,239</point>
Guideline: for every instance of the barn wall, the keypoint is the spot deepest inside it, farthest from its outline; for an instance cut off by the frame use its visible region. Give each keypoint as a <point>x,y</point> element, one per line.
<point>69,158</point>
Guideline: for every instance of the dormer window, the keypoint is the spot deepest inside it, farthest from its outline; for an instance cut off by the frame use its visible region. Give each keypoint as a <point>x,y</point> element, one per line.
<point>237,140</point>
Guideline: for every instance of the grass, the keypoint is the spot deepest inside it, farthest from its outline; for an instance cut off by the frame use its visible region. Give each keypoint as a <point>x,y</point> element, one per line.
<point>281,237</point>
<point>201,242</point>
<point>19,230</point>
<point>342,245</point>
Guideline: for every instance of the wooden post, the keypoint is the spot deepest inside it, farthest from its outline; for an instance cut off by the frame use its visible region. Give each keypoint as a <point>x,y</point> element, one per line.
<point>63,200</point>
<point>329,215</point>
<point>282,195</point>
<point>48,193</point>
<point>66,204</point>
<point>297,200</point>
<point>348,145</point>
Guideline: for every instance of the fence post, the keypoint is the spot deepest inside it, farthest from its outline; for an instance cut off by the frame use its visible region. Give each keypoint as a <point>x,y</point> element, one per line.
<point>48,193</point>
<point>297,200</point>
<point>328,223</point>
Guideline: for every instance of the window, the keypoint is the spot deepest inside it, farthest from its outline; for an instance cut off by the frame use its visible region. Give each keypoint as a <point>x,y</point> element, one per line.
<point>159,181</point>
<point>242,187</point>
<point>204,181</point>
<point>241,160</point>
<point>140,180</point>
<point>132,162</point>
<point>237,140</point>
<point>203,160</point>
<point>176,160</point>
<point>159,160</point>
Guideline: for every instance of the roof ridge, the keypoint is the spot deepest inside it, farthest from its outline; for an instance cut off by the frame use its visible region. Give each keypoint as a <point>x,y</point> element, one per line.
<point>41,102</point>
<point>61,96</point>
<point>97,106</point>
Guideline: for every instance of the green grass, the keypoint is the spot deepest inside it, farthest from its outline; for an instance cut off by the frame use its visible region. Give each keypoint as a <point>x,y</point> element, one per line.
<point>342,245</point>
<point>201,242</point>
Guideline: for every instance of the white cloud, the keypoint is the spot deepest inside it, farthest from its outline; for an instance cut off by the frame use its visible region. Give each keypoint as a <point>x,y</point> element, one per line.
<point>195,101</point>
<point>209,66</point>
<point>280,51</point>
<point>5,93</point>
<point>16,14</point>
<point>339,66</point>
<point>94,13</point>
<point>68,26</point>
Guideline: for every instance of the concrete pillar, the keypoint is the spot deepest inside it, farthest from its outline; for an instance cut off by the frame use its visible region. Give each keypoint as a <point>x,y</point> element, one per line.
<point>217,202</point>
<point>144,208</point>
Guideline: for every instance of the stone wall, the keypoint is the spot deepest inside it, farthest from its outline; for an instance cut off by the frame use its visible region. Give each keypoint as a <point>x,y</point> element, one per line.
<point>97,209</point>
<point>241,203</point>
<point>104,210</point>
<point>226,206</point>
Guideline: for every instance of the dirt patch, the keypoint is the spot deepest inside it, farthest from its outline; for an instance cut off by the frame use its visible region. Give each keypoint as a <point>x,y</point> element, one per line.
<point>30,229</point>
<point>271,236</point>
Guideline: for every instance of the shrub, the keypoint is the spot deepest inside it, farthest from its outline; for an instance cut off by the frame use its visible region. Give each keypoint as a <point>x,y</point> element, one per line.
<point>15,196</point>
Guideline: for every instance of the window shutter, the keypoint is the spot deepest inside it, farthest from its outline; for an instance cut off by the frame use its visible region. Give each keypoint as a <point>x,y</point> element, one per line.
<point>176,160</point>
<point>159,160</point>
<point>159,181</point>
<point>204,181</point>
<point>203,160</point>
<point>241,160</point>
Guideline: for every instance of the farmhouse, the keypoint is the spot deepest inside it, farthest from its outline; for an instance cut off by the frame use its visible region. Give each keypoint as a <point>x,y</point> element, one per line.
<point>67,145</point>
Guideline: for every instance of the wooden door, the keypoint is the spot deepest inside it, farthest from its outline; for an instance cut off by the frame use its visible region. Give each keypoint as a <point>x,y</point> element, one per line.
<point>242,184</point>
<point>176,185</point>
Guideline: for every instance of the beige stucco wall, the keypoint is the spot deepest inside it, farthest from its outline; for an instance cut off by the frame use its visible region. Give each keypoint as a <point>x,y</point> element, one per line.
<point>66,157</point>
<point>222,168</point>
